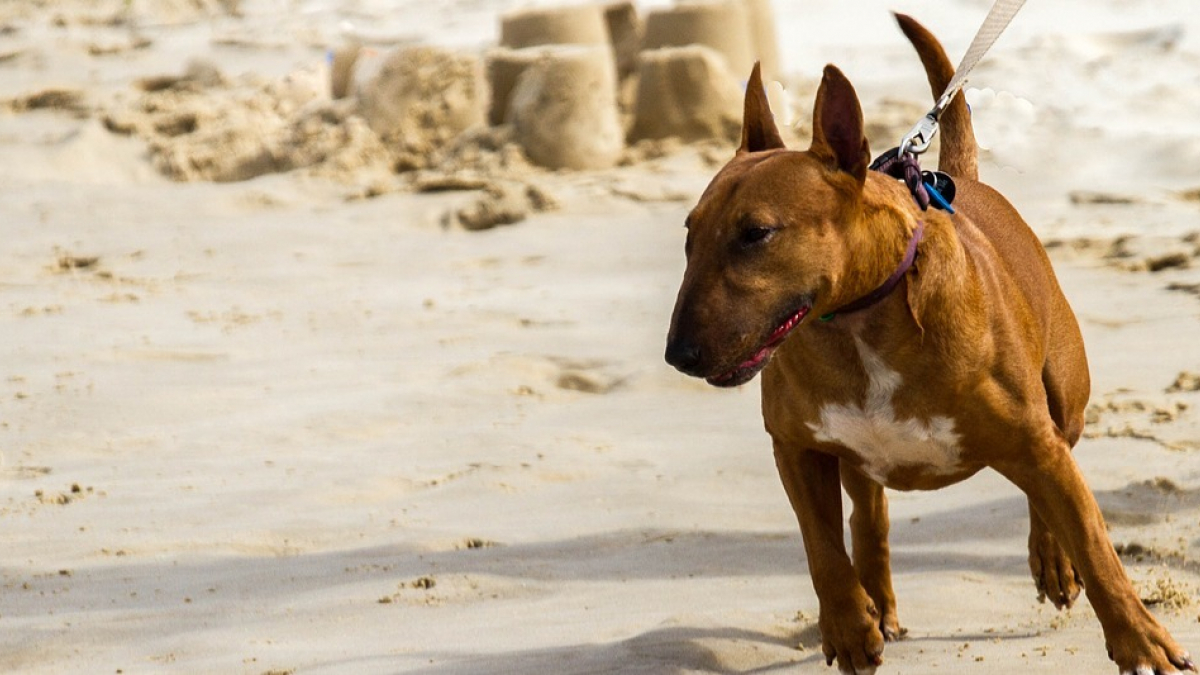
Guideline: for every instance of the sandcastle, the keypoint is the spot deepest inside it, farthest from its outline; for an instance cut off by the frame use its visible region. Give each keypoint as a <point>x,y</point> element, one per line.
<point>721,25</point>
<point>564,109</point>
<point>554,79</point>
<point>569,85</point>
<point>504,68</point>
<point>578,81</point>
<point>564,25</point>
<point>686,92</point>
<point>677,74</point>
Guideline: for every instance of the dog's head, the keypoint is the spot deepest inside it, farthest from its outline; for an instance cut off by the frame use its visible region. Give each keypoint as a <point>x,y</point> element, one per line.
<point>771,237</point>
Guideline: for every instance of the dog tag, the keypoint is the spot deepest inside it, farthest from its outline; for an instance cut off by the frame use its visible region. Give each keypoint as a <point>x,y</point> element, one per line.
<point>940,188</point>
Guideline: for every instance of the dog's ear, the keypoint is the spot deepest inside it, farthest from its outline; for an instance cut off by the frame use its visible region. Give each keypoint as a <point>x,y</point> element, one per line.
<point>838,126</point>
<point>758,124</point>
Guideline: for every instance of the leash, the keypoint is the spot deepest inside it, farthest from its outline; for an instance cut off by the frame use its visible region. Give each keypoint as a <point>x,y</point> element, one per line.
<point>917,140</point>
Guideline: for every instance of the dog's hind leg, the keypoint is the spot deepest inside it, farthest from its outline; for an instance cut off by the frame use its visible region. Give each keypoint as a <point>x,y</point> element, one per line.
<point>1067,386</point>
<point>869,526</point>
<point>1052,569</point>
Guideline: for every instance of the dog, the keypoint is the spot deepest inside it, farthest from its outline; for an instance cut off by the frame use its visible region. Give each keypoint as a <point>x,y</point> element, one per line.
<point>900,348</point>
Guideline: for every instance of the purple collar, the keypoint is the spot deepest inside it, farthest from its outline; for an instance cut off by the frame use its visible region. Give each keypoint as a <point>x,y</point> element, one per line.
<point>889,285</point>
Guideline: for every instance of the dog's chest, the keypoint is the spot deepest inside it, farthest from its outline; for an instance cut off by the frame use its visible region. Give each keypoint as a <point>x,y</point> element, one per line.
<point>884,442</point>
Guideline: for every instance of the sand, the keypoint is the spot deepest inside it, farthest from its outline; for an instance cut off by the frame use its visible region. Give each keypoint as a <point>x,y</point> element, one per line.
<point>309,422</point>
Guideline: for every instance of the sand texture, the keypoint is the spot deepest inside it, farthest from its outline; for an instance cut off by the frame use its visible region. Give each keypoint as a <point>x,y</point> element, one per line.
<point>294,384</point>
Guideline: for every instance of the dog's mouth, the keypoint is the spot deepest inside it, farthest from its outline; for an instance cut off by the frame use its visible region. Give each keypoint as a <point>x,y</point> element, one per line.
<point>746,370</point>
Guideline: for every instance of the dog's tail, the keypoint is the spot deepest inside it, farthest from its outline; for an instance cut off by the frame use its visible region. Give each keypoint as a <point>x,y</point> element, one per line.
<point>959,153</point>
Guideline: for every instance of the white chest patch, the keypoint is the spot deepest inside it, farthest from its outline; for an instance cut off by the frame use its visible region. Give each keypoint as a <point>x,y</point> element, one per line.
<point>873,432</point>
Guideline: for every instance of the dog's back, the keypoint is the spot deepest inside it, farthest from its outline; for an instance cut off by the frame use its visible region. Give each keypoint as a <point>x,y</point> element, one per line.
<point>1065,372</point>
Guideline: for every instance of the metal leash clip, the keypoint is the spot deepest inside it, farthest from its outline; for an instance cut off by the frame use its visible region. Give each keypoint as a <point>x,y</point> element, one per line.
<point>918,139</point>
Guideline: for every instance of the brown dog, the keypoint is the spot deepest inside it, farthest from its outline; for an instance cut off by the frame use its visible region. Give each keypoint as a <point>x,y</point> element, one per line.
<point>916,376</point>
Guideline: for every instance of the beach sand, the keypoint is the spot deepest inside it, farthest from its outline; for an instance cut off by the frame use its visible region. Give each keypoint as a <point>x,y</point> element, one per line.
<point>307,423</point>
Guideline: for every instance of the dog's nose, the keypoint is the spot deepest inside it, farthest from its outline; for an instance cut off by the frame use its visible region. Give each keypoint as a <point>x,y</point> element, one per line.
<point>684,355</point>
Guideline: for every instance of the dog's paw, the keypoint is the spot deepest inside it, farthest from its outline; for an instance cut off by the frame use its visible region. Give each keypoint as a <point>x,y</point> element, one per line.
<point>1151,653</point>
<point>851,636</point>
<point>890,626</point>
<point>1053,571</point>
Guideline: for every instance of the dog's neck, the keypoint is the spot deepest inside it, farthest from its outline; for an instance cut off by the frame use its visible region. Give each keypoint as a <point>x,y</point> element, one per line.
<point>884,228</point>
<point>879,234</point>
<point>885,289</point>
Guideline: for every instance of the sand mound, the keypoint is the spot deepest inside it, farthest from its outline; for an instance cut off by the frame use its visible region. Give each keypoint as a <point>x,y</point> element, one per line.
<point>688,93</point>
<point>564,109</point>
<point>200,128</point>
<point>421,99</point>
<point>501,203</point>
<point>334,142</point>
<point>491,151</point>
<point>194,136</point>
<point>414,113</point>
<point>61,99</point>
<point>412,108</point>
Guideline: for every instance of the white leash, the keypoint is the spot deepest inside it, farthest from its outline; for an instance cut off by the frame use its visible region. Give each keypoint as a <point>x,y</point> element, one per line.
<point>917,140</point>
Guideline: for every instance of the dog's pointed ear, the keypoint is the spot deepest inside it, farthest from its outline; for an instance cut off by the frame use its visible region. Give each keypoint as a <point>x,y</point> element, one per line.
<point>758,124</point>
<point>838,126</point>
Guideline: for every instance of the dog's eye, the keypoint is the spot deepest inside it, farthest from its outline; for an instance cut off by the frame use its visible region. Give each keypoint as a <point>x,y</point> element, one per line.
<point>755,235</point>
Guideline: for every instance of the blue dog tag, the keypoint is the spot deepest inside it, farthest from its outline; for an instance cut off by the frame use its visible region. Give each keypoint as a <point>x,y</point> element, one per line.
<point>940,188</point>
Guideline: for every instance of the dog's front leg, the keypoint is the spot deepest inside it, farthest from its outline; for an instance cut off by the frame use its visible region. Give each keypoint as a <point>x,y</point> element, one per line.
<point>1056,489</point>
<point>849,620</point>
<point>869,526</point>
